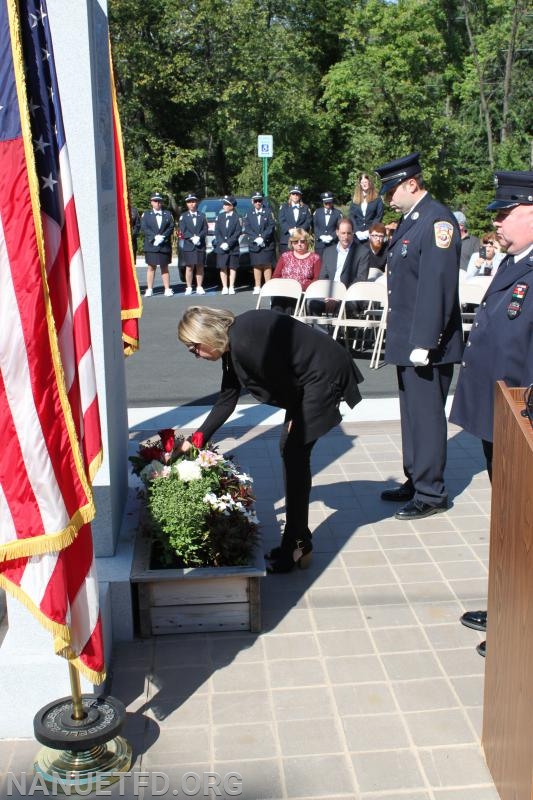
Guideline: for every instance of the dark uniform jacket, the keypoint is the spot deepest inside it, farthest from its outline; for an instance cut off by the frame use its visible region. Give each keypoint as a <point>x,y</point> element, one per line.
<point>499,347</point>
<point>286,364</point>
<point>229,233</point>
<point>355,267</point>
<point>423,273</point>
<point>150,229</point>
<point>263,225</point>
<point>287,222</point>
<point>188,228</point>
<point>373,213</point>
<point>323,228</point>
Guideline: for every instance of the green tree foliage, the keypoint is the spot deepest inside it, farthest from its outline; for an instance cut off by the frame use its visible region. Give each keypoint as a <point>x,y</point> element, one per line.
<point>341,87</point>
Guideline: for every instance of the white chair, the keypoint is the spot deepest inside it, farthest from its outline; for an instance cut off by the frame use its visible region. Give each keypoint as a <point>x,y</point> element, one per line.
<point>374,318</point>
<point>281,287</point>
<point>471,293</point>
<point>320,290</point>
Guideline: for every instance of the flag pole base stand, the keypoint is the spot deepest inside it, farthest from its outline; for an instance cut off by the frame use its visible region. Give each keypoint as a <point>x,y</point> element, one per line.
<point>81,754</point>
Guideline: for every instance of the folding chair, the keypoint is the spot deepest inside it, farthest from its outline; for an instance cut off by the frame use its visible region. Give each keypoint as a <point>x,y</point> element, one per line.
<point>471,293</point>
<point>281,287</point>
<point>320,290</point>
<point>374,318</point>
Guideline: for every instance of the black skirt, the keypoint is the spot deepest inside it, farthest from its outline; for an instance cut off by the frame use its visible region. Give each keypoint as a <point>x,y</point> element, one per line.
<point>264,258</point>
<point>194,258</point>
<point>157,259</point>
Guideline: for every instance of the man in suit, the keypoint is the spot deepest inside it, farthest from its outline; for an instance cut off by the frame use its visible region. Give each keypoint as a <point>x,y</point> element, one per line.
<point>346,262</point>
<point>292,214</point>
<point>157,225</point>
<point>285,364</point>
<point>500,344</point>
<point>193,230</point>
<point>325,221</point>
<point>424,331</point>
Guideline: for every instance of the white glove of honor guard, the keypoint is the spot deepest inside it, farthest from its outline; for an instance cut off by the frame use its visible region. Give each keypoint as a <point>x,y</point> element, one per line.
<point>224,246</point>
<point>419,357</point>
<point>195,239</point>
<point>326,238</point>
<point>158,239</point>
<point>260,241</point>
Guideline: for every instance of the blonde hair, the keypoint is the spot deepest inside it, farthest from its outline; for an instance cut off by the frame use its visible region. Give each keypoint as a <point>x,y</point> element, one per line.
<point>299,233</point>
<point>372,192</point>
<point>207,326</point>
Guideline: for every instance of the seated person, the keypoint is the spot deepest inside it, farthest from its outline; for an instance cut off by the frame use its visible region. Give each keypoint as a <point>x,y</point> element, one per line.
<point>377,246</point>
<point>487,260</point>
<point>347,262</point>
<point>300,263</point>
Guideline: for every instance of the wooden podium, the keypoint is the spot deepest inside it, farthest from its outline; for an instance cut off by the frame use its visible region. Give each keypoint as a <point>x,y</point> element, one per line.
<point>508,703</point>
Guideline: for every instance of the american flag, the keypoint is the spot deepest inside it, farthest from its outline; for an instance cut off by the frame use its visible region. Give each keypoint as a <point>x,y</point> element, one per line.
<point>130,296</point>
<point>49,415</point>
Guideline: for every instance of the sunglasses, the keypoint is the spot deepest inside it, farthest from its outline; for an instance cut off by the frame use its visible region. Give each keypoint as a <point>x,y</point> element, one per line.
<point>193,349</point>
<point>298,241</point>
<point>528,400</point>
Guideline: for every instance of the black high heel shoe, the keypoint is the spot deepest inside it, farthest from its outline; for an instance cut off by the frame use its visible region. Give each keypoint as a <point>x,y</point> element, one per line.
<point>282,561</point>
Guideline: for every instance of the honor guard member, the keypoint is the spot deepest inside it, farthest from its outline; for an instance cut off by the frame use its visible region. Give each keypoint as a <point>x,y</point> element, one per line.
<point>325,221</point>
<point>500,344</point>
<point>228,230</point>
<point>193,230</point>
<point>293,214</point>
<point>424,331</point>
<point>260,227</point>
<point>157,227</point>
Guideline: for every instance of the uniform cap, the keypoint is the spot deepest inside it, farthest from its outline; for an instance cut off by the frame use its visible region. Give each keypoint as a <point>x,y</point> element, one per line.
<point>228,199</point>
<point>190,196</point>
<point>327,197</point>
<point>512,189</point>
<point>295,190</point>
<point>156,196</point>
<point>394,172</point>
<point>257,196</point>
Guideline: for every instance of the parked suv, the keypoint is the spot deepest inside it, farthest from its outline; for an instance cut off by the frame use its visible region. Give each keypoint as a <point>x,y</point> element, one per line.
<point>211,207</point>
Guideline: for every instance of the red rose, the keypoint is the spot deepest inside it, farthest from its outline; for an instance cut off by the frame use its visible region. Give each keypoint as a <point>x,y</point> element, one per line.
<point>197,439</point>
<point>168,439</point>
<point>150,453</point>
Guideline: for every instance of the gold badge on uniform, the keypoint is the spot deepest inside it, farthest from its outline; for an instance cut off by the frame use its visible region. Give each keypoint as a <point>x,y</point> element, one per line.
<point>443,234</point>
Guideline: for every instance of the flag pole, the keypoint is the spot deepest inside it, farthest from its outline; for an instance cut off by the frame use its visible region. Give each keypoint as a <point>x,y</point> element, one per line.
<point>75,687</point>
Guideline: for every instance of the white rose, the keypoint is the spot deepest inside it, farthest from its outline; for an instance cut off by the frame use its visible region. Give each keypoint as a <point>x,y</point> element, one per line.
<point>188,471</point>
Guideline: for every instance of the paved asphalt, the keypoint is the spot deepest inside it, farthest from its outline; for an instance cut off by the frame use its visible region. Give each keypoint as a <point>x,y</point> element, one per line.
<point>163,373</point>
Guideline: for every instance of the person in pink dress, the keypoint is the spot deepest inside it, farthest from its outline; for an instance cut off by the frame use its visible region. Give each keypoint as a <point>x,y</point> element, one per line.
<point>300,263</point>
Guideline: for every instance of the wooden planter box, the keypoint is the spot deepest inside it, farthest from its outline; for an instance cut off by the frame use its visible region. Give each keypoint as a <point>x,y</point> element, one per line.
<point>198,599</point>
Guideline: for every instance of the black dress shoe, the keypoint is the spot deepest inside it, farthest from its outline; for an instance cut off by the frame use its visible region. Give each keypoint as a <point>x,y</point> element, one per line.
<point>416,509</point>
<point>475,619</point>
<point>400,495</point>
<point>481,648</point>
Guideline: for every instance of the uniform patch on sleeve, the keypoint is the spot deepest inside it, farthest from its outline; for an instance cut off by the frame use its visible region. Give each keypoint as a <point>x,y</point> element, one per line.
<point>443,234</point>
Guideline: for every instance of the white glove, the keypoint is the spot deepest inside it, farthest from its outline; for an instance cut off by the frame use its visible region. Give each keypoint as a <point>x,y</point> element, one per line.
<point>224,246</point>
<point>326,238</point>
<point>260,241</point>
<point>362,235</point>
<point>158,239</point>
<point>195,239</point>
<point>419,357</point>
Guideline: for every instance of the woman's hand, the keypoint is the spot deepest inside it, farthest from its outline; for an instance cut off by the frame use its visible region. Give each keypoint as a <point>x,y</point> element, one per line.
<point>185,446</point>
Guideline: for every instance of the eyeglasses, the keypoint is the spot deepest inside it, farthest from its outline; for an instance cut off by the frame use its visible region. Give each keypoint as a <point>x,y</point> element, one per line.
<point>193,349</point>
<point>377,235</point>
<point>489,243</point>
<point>298,241</point>
<point>528,400</point>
